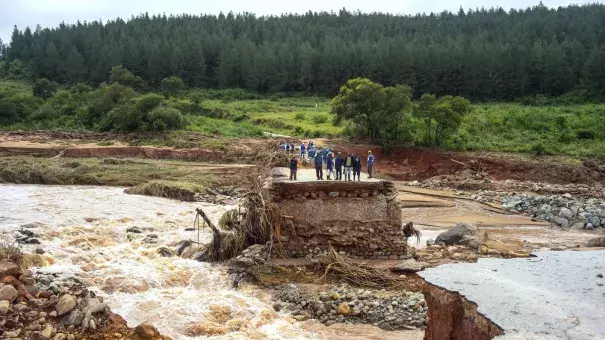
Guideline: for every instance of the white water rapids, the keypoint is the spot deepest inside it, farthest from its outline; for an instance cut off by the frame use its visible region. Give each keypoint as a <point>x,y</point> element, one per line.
<point>83,231</point>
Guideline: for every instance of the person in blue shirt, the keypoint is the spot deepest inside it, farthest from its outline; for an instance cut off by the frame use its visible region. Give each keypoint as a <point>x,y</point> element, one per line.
<point>318,162</point>
<point>370,164</point>
<point>330,164</point>
<point>311,152</point>
<point>302,150</point>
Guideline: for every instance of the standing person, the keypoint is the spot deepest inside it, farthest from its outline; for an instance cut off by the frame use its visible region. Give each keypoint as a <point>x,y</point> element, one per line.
<point>287,148</point>
<point>318,162</point>
<point>293,168</point>
<point>302,150</point>
<point>339,162</point>
<point>357,167</point>
<point>292,148</point>
<point>330,164</point>
<point>311,152</point>
<point>370,164</point>
<point>348,166</point>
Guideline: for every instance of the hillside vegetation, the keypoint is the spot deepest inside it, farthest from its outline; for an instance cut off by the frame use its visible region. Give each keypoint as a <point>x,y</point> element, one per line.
<point>576,130</point>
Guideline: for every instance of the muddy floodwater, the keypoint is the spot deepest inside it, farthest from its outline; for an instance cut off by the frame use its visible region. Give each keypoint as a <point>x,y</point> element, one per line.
<point>83,229</point>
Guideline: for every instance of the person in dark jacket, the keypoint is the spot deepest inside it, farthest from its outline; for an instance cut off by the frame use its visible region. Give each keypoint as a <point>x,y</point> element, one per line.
<point>357,167</point>
<point>338,163</point>
<point>293,168</point>
<point>318,162</point>
<point>330,164</point>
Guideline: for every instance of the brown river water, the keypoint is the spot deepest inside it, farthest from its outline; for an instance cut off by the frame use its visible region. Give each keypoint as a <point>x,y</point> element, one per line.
<point>83,230</point>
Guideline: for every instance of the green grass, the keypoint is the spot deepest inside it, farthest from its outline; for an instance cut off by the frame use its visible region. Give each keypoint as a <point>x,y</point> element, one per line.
<point>574,130</point>
<point>301,116</point>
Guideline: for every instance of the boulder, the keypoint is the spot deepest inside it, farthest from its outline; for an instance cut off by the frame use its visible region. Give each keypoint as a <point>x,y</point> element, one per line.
<point>561,221</point>
<point>180,247</point>
<point>597,242</point>
<point>165,252</point>
<point>409,265</point>
<point>566,213</point>
<point>8,268</point>
<point>463,234</point>
<point>343,309</point>
<point>5,306</point>
<point>47,332</point>
<point>134,230</point>
<point>73,319</point>
<point>65,304</point>
<point>8,293</point>
<point>146,331</point>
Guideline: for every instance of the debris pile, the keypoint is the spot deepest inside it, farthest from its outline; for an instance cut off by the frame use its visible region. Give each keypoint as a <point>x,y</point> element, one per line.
<point>345,304</point>
<point>563,210</point>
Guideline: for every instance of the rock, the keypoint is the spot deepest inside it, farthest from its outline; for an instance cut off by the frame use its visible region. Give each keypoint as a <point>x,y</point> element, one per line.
<point>597,242</point>
<point>134,230</point>
<point>165,252</point>
<point>53,314</point>
<point>181,246</point>
<point>8,268</point>
<point>595,221</point>
<point>589,226</point>
<point>5,306</point>
<point>567,195</point>
<point>65,304</point>
<point>464,234</point>
<point>561,221</point>
<point>600,276</point>
<point>409,265</point>
<point>73,319</point>
<point>301,317</point>
<point>60,336</point>
<point>71,337</point>
<point>242,262</point>
<point>146,331</point>
<point>151,238</point>
<point>47,332</point>
<point>12,334</point>
<point>8,293</point>
<point>566,213</point>
<point>31,241</point>
<point>430,242</point>
<point>277,306</point>
<point>40,251</point>
<point>343,309</point>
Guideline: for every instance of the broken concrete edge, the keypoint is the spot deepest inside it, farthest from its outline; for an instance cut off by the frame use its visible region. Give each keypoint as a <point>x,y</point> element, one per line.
<point>452,316</point>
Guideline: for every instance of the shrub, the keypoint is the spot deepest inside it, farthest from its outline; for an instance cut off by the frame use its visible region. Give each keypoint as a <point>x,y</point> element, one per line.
<point>166,118</point>
<point>320,118</point>
<point>299,116</point>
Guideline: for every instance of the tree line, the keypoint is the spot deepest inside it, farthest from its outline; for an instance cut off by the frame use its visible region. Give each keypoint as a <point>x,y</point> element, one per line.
<point>483,54</point>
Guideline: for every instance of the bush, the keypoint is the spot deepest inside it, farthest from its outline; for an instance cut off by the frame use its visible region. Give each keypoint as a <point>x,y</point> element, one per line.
<point>320,118</point>
<point>299,116</point>
<point>166,118</point>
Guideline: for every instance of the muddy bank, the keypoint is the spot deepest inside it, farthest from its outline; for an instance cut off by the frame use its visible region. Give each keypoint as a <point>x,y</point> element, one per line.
<point>452,317</point>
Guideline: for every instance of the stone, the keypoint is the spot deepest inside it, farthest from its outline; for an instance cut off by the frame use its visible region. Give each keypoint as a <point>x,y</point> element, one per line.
<point>430,242</point>
<point>181,246</point>
<point>60,336</point>
<point>12,334</point>
<point>134,230</point>
<point>73,319</point>
<point>594,220</point>
<point>151,238</point>
<point>597,242</point>
<point>146,331</point>
<point>464,234</point>
<point>567,195</point>
<point>343,309</point>
<point>165,252</point>
<point>589,226</point>
<point>47,332</point>
<point>242,262</point>
<point>65,304</point>
<point>5,306</point>
<point>277,306</point>
<point>409,265</point>
<point>71,337</point>
<point>8,293</point>
<point>8,268</point>
<point>561,221</point>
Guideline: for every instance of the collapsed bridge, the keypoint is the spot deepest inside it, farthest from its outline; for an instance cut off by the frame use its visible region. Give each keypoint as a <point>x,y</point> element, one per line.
<point>359,219</point>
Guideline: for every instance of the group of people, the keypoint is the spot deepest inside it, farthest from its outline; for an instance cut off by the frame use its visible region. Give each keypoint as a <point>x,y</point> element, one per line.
<point>351,164</point>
